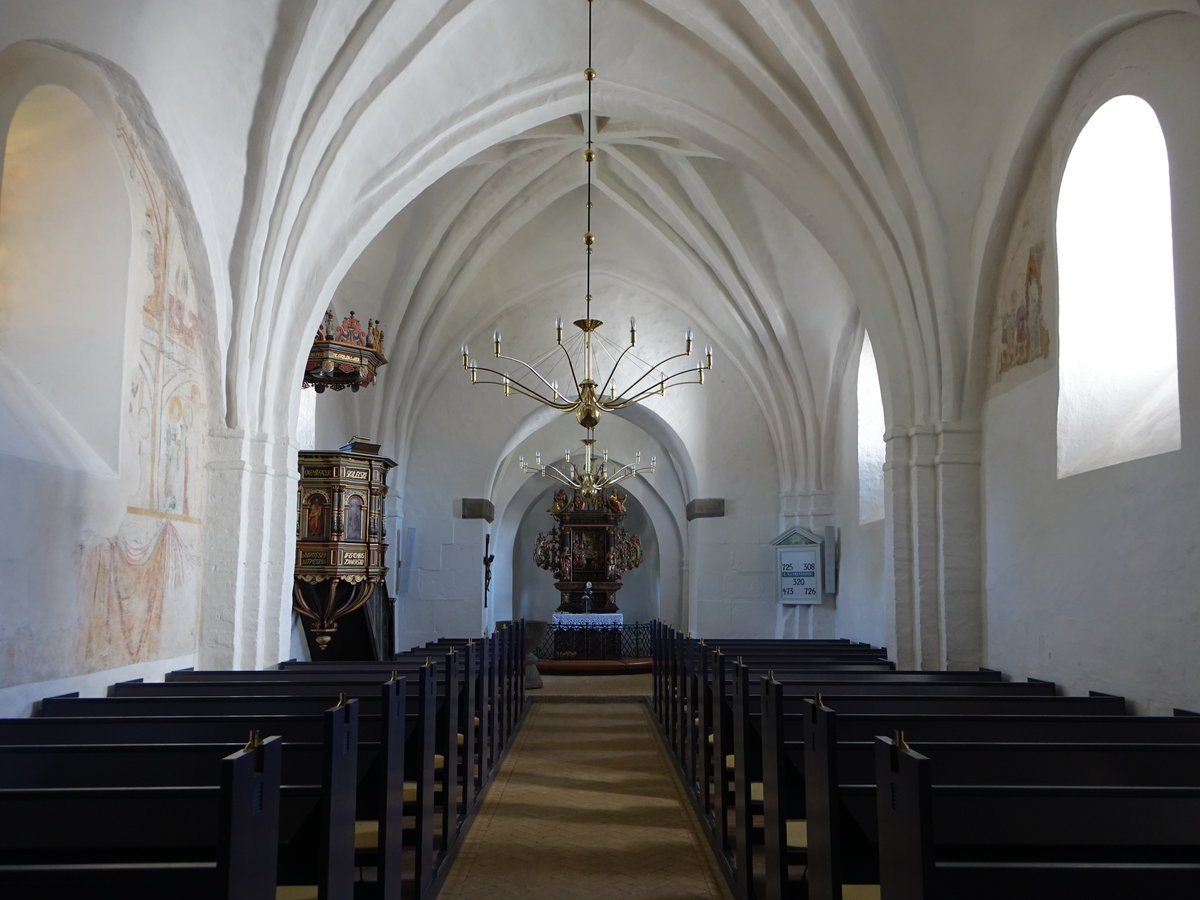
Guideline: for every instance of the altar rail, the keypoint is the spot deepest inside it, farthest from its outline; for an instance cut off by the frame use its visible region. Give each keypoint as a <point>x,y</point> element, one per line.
<point>629,641</point>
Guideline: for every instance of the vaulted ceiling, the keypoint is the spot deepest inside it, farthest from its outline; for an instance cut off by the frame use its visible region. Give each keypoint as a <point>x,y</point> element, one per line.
<point>777,174</point>
<point>773,173</point>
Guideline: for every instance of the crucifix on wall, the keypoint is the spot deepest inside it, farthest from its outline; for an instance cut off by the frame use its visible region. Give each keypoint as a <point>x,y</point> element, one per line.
<point>488,558</point>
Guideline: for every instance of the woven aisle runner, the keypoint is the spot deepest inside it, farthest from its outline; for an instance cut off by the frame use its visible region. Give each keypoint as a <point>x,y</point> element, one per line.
<point>585,805</point>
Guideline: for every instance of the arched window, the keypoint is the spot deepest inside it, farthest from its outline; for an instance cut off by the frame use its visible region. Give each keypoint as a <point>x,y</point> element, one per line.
<point>64,273</point>
<point>1118,388</point>
<point>871,451</point>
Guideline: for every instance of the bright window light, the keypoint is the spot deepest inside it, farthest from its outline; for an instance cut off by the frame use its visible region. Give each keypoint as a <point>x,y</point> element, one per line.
<point>1118,393</point>
<point>871,449</point>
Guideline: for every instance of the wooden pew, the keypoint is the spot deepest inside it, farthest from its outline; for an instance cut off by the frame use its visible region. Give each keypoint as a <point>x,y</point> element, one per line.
<point>713,710</point>
<point>785,707</point>
<point>707,706</point>
<point>382,788</point>
<point>1031,841</point>
<point>457,745</point>
<point>479,709</point>
<point>674,654</point>
<point>738,726</point>
<point>316,827</point>
<point>382,744</point>
<point>405,736</point>
<point>863,726</point>
<point>473,739</point>
<point>853,736</point>
<point>698,697</point>
<point>842,832</point>
<point>507,652</point>
<point>295,680</point>
<point>782,738</point>
<point>207,842</point>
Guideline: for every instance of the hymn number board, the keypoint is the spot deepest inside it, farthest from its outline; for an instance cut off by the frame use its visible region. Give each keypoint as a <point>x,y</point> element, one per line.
<point>799,575</point>
<point>798,556</point>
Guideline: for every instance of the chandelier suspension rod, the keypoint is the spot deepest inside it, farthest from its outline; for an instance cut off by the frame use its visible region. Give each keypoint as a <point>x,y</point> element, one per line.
<point>586,396</point>
<point>589,155</point>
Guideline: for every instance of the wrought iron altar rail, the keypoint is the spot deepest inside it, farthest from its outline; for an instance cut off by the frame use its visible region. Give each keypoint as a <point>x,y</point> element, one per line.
<point>631,641</point>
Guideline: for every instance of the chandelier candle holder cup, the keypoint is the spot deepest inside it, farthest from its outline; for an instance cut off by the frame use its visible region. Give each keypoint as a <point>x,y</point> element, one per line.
<point>588,396</point>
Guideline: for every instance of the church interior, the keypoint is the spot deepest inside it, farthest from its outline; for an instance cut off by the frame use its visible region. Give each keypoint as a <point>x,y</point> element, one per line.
<point>829,194</point>
<point>920,271</point>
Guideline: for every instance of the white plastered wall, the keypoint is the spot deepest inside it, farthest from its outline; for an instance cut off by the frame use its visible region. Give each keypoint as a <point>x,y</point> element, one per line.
<point>1090,580</point>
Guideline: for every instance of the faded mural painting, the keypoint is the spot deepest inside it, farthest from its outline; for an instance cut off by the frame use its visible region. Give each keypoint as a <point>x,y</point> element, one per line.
<point>142,583</point>
<point>1023,334</point>
<point>1020,346</point>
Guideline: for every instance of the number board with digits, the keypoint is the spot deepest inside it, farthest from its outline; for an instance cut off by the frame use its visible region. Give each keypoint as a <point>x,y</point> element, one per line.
<point>800,574</point>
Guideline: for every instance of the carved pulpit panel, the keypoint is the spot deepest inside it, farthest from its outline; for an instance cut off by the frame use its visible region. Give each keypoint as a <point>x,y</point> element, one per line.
<point>340,548</point>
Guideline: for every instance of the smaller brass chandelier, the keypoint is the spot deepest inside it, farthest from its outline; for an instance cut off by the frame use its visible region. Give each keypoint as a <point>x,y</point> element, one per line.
<point>344,356</point>
<point>591,478</point>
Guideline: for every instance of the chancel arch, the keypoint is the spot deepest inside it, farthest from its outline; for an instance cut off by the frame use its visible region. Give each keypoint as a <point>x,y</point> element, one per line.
<point>522,501</point>
<point>534,594</point>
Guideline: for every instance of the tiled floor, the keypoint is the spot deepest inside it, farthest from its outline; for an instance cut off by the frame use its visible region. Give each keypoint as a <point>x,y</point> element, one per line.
<point>585,805</point>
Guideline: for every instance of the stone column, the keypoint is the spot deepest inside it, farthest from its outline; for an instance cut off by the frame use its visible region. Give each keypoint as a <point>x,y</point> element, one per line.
<point>932,542</point>
<point>960,514</point>
<point>249,539</point>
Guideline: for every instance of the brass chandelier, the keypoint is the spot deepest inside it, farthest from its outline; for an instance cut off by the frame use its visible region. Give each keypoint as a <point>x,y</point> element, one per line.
<point>590,478</point>
<point>587,396</point>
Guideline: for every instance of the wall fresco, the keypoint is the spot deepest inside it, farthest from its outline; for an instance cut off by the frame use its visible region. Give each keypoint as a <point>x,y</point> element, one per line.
<point>142,583</point>
<point>1025,314</point>
<point>1023,334</point>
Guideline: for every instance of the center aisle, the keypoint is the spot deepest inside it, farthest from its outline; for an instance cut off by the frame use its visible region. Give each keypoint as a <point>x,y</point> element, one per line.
<point>585,805</point>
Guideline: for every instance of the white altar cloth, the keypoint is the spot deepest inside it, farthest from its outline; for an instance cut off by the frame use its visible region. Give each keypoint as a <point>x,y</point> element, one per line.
<point>605,619</point>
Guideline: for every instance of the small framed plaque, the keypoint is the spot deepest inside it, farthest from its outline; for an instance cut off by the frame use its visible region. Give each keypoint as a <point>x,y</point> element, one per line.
<point>798,567</point>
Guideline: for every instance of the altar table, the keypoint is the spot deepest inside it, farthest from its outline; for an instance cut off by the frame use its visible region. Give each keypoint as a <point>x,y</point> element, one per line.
<point>602,620</point>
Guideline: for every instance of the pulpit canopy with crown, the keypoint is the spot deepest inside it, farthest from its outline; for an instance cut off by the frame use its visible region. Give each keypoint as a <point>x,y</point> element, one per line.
<point>344,356</point>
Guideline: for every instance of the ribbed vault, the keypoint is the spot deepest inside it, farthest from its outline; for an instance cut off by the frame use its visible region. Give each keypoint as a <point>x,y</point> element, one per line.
<point>746,185</point>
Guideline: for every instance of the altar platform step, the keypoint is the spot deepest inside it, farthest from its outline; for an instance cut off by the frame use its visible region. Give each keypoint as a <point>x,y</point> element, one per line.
<point>594,666</point>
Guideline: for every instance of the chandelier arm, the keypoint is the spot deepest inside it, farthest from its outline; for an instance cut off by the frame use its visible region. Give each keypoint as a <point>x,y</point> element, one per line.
<point>661,387</point>
<point>558,476</point>
<point>518,387</point>
<point>624,472</point>
<point>536,374</point>
<point>621,402</point>
<point>609,482</point>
